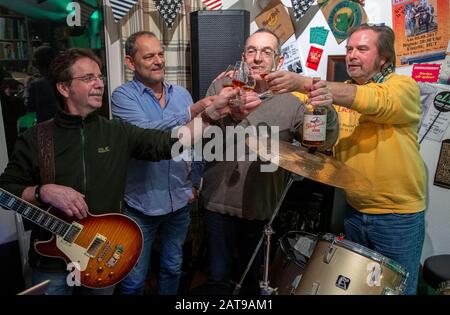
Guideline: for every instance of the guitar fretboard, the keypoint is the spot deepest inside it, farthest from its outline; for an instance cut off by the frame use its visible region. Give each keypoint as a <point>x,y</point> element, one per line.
<point>33,213</point>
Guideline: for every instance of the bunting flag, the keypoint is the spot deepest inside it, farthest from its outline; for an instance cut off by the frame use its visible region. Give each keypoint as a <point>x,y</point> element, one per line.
<point>300,7</point>
<point>168,10</point>
<point>213,4</point>
<point>120,8</point>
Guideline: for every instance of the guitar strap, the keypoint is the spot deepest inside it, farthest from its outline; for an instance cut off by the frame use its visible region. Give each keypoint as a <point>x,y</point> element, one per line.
<point>46,151</point>
<point>47,172</point>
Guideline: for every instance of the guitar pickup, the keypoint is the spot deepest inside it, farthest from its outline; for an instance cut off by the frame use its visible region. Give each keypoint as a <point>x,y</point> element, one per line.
<point>73,232</point>
<point>96,245</point>
<point>115,256</point>
<point>104,251</point>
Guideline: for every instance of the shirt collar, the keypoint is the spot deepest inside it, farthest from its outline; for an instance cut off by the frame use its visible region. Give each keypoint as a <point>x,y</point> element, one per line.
<point>67,120</point>
<point>142,88</point>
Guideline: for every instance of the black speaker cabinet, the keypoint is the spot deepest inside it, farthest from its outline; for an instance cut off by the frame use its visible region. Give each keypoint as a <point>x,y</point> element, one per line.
<point>217,40</point>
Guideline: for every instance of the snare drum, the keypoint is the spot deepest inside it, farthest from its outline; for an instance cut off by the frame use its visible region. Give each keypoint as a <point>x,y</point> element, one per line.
<point>292,255</point>
<point>444,288</point>
<point>341,267</point>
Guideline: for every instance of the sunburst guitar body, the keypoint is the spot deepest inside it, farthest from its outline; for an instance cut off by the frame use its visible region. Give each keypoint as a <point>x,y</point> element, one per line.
<point>101,249</point>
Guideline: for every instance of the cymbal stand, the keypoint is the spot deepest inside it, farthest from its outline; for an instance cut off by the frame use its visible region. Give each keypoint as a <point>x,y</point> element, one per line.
<point>267,233</point>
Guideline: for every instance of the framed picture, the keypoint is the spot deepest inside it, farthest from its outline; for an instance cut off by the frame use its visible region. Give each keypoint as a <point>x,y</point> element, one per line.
<point>442,175</point>
<point>336,69</point>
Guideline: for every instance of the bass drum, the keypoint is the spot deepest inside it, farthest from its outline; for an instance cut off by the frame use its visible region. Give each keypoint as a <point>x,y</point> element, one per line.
<point>294,250</point>
<point>341,267</point>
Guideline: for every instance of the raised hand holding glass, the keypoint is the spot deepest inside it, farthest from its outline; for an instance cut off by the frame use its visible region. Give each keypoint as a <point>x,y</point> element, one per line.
<point>226,82</point>
<point>263,76</point>
<point>239,79</point>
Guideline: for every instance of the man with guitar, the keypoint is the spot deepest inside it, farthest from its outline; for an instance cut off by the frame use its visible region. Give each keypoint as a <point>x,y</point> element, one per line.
<point>76,165</point>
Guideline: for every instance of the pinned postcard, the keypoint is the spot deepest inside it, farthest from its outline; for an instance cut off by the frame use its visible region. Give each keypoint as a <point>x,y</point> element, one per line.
<point>435,104</point>
<point>423,72</point>
<point>318,35</point>
<point>314,57</point>
<point>292,57</point>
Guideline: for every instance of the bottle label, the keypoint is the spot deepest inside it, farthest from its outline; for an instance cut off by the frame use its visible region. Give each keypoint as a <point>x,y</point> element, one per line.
<point>314,127</point>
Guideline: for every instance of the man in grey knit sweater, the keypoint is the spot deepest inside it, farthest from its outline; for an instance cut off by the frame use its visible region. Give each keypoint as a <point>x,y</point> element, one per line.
<point>238,197</point>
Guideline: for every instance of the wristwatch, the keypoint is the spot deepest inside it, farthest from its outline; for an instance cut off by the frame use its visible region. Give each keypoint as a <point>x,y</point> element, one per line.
<point>37,194</point>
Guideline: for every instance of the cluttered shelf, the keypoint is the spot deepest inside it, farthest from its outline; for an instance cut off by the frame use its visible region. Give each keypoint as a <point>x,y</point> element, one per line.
<point>14,40</point>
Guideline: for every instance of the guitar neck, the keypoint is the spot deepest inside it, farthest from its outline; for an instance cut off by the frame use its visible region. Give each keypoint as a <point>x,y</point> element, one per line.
<point>36,215</point>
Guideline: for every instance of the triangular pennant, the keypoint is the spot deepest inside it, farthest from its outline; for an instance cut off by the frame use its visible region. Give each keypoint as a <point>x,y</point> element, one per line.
<point>300,7</point>
<point>168,10</point>
<point>342,15</point>
<point>120,8</point>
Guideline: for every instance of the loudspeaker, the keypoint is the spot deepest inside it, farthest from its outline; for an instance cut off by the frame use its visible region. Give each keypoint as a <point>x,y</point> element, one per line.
<point>217,40</point>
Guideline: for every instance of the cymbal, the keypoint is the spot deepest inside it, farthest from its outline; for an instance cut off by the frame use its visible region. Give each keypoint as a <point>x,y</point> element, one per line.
<point>316,166</point>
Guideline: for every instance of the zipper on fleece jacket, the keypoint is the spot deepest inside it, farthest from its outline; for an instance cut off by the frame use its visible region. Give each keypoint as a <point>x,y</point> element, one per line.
<point>83,156</point>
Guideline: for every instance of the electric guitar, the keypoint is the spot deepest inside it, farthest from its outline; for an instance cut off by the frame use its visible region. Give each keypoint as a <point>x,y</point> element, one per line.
<point>105,247</point>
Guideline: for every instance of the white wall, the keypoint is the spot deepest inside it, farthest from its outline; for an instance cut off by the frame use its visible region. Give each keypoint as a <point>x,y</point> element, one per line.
<point>113,50</point>
<point>437,239</point>
<point>437,218</point>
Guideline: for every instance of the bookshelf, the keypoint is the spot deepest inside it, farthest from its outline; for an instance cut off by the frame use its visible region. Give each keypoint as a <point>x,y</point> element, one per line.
<point>15,45</point>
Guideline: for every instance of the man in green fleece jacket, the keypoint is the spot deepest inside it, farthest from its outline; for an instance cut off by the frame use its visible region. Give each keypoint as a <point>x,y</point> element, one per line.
<point>91,155</point>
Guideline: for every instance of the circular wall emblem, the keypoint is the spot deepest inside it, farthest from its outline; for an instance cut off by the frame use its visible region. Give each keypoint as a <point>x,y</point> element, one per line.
<point>442,101</point>
<point>343,16</point>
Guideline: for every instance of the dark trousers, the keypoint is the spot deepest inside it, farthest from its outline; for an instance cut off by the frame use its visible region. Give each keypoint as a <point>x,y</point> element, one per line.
<point>231,243</point>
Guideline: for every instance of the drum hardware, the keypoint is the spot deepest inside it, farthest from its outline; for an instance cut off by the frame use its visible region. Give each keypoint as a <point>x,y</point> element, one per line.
<point>444,288</point>
<point>268,231</point>
<point>293,253</point>
<point>267,234</point>
<point>329,254</point>
<point>309,221</point>
<point>315,288</point>
<point>295,283</point>
<point>312,221</point>
<point>389,291</point>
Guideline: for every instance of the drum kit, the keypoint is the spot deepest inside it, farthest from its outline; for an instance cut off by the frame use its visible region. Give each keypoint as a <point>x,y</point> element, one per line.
<point>444,288</point>
<point>324,264</point>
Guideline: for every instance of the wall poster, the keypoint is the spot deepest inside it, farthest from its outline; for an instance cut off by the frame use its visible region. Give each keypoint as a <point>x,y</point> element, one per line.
<point>435,105</point>
<point>421,30</point>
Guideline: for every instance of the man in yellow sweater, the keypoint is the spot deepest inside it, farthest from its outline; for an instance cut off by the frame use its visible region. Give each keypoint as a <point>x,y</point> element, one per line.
<point>379,114</point>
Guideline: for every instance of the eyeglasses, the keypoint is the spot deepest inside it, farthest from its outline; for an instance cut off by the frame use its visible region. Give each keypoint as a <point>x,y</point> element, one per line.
<point>266,52</point>
<point>90,78</point>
